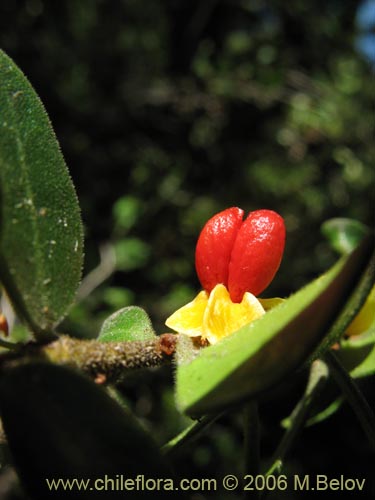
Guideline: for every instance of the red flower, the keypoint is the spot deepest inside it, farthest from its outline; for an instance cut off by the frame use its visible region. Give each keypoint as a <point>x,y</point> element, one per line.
<point>244,256</point>
<point>235,260</point>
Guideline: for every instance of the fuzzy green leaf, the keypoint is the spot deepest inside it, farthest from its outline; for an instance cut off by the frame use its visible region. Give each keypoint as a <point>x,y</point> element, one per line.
<point>127,324</point>
<point>61,425</point>
<point>40,225</point>
<point>344,234</point>
<point>261,353</point>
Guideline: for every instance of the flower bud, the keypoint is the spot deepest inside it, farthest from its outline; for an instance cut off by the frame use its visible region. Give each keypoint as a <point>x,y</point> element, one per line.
<point>214,247</point>
<point>242,255</point>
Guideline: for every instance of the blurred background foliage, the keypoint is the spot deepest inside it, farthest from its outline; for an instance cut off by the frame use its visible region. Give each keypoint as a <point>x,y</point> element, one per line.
<point>168,112</point>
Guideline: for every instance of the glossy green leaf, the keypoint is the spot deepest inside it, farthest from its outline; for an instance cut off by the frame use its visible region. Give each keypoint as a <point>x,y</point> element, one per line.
<point>127,324</point>
<point>40,225</point>
<point>261,353</point>
<point>61,425</point>
<point>344,234</point>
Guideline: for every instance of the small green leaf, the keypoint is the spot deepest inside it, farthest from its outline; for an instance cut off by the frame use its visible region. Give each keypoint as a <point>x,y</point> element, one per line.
<point>127,324</point>
<point>61,425</point>
<point>344,234</point>
<point>261,353</point>
<point>40,225</point>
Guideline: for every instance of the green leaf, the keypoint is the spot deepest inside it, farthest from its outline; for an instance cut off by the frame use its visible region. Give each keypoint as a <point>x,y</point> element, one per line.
<point>356,310</point>
<point>126,212</point>
<point>40,225</point>
<point>61,425</point>
<point>357,354</point>
<point>127,324</point>
<point>261,353</point>
<point>344,234</point>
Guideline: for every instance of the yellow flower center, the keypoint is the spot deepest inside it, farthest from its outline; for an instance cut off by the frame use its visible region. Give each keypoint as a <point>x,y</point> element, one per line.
<point>215,316</point>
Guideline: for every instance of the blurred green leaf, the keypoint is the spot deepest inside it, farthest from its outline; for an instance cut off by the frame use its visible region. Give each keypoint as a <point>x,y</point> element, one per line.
<point>40,225</point>
<point>344,234</point>
<point>126,211</point>
<point>61,425</point>
<point>127,324</point>
<point>261,353</point>
<point>131,253</point>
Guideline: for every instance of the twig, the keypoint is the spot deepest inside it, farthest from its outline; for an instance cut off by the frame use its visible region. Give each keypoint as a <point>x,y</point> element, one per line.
<point>104,361</point>
<point>353,395</point>
<point>103,271</point>
<point>189,434</point>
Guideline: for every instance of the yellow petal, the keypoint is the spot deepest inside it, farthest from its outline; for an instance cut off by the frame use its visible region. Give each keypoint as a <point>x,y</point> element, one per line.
<point>365,318</point>
<point>189,318</point>
<point>223,317</point>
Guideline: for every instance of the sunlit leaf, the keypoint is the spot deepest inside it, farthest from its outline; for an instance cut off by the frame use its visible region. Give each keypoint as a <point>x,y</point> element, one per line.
<point>61,425</point>
<point>127,324</point>
<point>40,225</point>
<point>261,353</point>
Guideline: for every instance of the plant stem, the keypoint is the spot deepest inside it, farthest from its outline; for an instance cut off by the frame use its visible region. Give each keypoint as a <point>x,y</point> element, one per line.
<point>251,444</point>
<point>189,434</point>
<point>354,396</point>
<point>317,379</point>
<point>104,361</point>
<point>8,345</point>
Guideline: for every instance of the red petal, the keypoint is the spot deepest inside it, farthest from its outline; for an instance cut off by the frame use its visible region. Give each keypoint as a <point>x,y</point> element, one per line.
<point>214,247</point>
<point>256,253</point>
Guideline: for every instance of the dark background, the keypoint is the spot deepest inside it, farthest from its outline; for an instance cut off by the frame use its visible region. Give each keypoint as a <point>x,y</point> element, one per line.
<point>168,112</point>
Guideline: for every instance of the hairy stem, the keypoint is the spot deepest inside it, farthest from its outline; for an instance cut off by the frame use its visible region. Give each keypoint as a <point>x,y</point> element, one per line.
<point>104,361</point>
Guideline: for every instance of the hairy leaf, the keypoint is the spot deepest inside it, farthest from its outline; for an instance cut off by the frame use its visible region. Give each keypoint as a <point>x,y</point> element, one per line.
<point>40,225</point>
<point>261,353</point>
<point>127,324</point>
